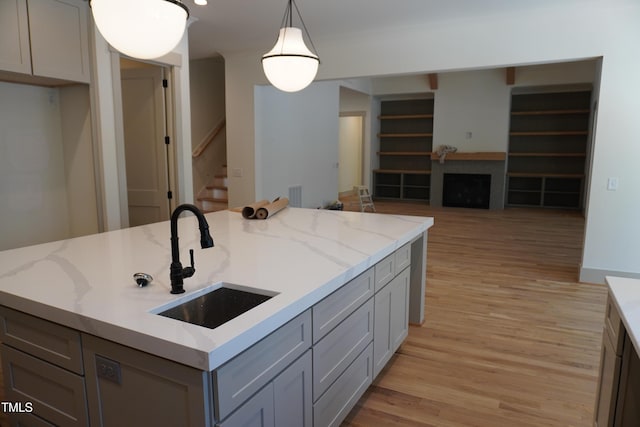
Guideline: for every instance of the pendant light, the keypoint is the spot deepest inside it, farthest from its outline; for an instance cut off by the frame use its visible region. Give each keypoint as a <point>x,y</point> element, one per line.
<point>143,29</point>
<point>290,65</point>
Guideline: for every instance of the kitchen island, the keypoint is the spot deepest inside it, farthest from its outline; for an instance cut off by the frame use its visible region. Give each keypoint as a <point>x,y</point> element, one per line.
<point>80,293</point>
<point>619,379</point>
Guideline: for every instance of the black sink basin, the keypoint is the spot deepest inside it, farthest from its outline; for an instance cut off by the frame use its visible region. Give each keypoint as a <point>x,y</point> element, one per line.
<point>216,307</point>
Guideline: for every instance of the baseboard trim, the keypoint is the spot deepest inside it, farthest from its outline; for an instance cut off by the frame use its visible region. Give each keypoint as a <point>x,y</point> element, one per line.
<point>596,275</point>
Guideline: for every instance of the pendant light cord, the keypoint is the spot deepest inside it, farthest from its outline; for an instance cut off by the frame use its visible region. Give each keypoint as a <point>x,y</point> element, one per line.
<point>288,16</point>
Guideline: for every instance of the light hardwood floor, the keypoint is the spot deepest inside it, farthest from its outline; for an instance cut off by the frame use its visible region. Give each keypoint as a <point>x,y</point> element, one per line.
<point>510,337</point>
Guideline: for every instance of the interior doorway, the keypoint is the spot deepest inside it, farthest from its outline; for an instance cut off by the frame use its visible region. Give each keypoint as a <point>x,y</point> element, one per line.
<point>350,157</point>
<point>146,126</point>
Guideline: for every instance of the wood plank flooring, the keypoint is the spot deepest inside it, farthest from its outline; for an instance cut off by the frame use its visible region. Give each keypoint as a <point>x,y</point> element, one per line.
<point>510,337</point>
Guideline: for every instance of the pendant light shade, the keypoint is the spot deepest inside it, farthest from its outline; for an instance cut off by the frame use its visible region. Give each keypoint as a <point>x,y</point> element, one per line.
<point>290,65</point>
<point>142,29</point>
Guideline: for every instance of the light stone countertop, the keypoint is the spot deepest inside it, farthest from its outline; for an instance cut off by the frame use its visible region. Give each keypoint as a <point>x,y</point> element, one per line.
<point>302,255</point>
<point>626,297</point>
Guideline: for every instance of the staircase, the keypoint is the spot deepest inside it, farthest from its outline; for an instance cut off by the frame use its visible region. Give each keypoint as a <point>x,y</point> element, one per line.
<point>214,197</point>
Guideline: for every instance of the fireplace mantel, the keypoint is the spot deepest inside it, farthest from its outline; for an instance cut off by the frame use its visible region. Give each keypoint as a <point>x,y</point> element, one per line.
<point>480,155</point>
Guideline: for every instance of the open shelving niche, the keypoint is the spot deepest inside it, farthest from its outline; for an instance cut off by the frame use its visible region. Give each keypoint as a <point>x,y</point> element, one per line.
<point>406,139</point>
<point>547,149</point>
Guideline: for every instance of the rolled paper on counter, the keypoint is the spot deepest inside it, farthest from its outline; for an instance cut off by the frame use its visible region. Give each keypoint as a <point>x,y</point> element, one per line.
<point>271,209</point>
<point>249,212</point>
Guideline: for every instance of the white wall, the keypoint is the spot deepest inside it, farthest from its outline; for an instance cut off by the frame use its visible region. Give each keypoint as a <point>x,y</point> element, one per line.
<point>47,182</point>
<point>297,143</point>
<point>572,30</point>
<point>32,177</point>
<point>75,116</point>
<point>471,111</point>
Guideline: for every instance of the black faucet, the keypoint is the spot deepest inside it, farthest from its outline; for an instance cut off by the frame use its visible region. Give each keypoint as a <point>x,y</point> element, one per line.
<point>177,273</point>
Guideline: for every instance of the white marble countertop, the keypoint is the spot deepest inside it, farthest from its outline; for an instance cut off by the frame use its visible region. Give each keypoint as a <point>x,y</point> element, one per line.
<point>626,297</point>
<point>302,255</point>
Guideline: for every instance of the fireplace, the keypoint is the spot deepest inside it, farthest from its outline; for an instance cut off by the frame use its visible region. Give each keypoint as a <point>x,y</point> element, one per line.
<point>470,165</point>
<point>466,190</point>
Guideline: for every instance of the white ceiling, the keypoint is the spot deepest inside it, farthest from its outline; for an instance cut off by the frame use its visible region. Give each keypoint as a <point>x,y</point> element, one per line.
<point>232,25</point>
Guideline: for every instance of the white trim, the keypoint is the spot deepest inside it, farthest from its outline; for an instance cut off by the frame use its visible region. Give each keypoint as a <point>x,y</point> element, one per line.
<point>596,275</point>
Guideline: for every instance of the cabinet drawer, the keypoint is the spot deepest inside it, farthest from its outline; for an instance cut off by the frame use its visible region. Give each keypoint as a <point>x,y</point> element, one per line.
<point>237,380</point>
<point>49,341</point>
<point>340,347</point>
<point>402,258</point>
<point>343,394</point>
<point>613,326</point>
<point>57,395</point>
<point>384,271</point>
<point>332,310</point>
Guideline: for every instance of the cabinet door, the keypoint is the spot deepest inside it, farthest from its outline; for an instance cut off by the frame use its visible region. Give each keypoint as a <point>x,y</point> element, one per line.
<point>381,329</point>
<point>391,320</point>
<point>256,412</point>
<point>59,39</point>
<point>628,405</point>
<point>399,318</point>
<point>15,55</point>
<point>127,387</point>
<point>292,389</point>
<point>608,389</point>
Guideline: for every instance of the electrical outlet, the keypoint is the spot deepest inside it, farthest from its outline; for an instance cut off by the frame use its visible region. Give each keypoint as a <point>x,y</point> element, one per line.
<point>236,172</point>
<point>612,184</point>
<point>108,369</point>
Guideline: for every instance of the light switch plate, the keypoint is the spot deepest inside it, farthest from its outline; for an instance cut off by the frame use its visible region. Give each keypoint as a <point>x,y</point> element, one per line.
<point>612,184</point>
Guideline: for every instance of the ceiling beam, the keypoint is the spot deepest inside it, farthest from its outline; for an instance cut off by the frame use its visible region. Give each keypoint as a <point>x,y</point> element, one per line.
<point>433,81</point>
<point>511,75</point>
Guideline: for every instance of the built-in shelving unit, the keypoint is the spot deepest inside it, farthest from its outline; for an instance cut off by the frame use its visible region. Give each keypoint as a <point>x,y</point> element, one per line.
<point>406,135</point>
<point>547,149</point>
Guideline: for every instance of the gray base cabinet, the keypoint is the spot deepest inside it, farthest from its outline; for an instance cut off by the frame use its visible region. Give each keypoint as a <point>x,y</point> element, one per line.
<point>130,387</point>
<point>270,382</point>
<point>284,402</point>
<point>42,364</point>
<point>618,390</point>
<point>391,320</point>
<point>309,372</point>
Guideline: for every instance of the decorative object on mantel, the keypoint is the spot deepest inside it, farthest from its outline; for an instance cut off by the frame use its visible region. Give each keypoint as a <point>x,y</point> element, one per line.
<point>442,151</point>
<point>290,65</point>
<point>143,29</point>
<point>263,209</point>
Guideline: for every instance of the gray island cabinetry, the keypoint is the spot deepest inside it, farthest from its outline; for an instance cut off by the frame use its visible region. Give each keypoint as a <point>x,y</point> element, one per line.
<point>309,372</point>
<point>82,345</point>
<point>619,380</point>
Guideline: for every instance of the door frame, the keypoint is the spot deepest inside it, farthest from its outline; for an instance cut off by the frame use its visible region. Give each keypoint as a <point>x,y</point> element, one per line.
<point>170,96</point>
<point>363,163</point>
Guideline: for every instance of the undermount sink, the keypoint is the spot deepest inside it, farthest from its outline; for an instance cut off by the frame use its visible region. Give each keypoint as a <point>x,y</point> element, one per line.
<point>215,307</point>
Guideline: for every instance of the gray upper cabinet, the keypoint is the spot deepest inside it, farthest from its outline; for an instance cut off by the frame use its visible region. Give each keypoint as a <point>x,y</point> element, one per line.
<point>15,54</point>
<point>45,38</point>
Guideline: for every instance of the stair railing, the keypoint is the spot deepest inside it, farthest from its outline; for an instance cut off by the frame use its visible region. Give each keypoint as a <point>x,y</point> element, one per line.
<point>197,152</point>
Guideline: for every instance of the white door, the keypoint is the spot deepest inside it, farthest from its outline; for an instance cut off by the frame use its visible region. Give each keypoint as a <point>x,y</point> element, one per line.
<point>143,110</point>
<point>350,153</point>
